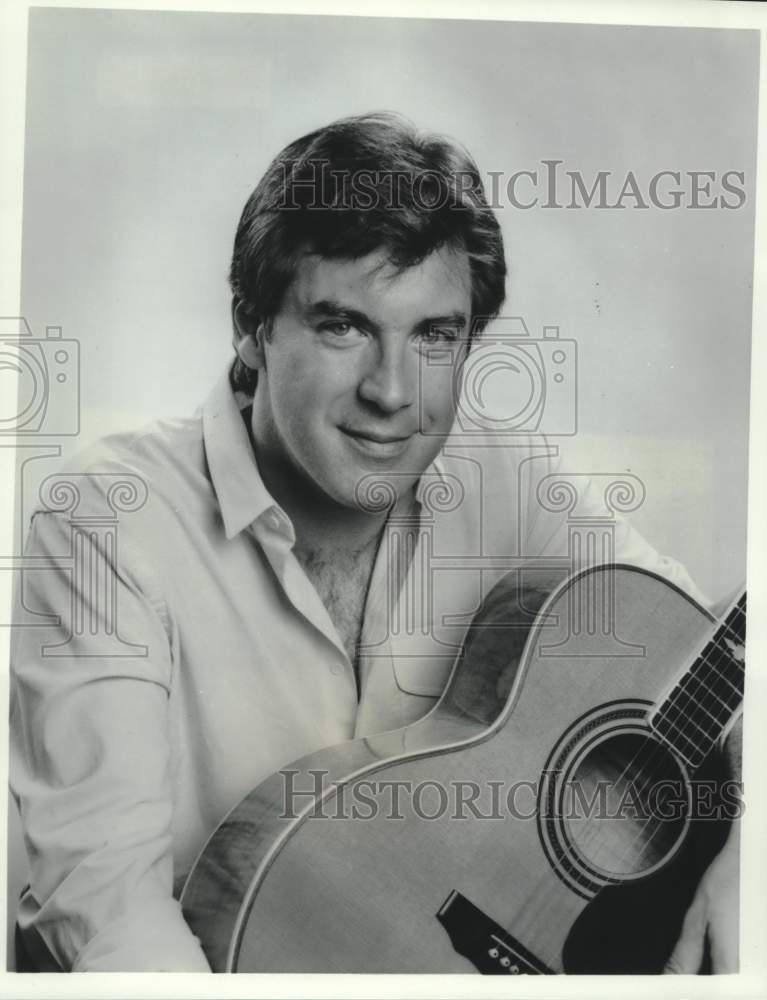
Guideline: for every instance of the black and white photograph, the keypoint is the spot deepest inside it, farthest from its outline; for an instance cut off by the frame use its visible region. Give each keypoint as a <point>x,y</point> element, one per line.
<point>376,414</point>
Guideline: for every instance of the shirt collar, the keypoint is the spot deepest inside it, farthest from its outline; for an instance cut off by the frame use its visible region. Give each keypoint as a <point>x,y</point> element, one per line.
<point>242,495</point>
<point>432,473</point>
<point>240,490</point>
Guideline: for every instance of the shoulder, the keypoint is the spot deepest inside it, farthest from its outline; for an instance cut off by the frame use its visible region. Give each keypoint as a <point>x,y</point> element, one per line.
<point>159,464</point>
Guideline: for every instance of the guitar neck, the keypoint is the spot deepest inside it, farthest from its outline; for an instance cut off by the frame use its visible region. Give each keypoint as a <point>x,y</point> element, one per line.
<point>702,704</point>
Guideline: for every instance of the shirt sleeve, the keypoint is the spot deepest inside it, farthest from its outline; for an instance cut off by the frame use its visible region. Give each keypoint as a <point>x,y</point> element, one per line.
<point>91,764</point>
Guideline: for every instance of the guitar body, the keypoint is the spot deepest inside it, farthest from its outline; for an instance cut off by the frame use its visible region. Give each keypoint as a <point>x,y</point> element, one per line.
<point>325,868</point>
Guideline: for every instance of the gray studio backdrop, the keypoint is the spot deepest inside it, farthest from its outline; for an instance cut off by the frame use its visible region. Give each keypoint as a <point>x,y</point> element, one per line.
<point>147,131</point>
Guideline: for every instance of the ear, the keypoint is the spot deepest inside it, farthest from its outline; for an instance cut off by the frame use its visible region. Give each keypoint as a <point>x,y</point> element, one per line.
<point>249,333</point>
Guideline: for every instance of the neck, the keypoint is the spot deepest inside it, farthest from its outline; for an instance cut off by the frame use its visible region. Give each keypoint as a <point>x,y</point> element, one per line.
<point>321,525</point>
<point>701,706</point>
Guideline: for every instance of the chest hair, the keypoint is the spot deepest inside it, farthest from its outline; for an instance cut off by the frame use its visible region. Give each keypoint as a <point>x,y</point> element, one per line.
<point>342,581</point>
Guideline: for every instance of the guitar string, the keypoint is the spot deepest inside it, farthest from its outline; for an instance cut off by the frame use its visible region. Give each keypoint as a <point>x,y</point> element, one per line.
<point>653,752</point>
<point>696,679</point>
<point>700,690</point>
<point>548,911</point>
<point>543,915</point>
<point>703,678</point>
<point>557,914</point>
<point>700,680</point>
<point>726,659</point>
<point>703,672</point>
<point>545,918</point>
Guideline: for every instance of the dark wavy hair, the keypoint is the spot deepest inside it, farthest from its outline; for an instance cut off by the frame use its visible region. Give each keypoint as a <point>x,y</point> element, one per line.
<point>356,186</point>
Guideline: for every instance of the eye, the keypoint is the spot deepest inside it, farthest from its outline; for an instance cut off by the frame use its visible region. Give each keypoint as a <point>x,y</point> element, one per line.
<point>338,328</point>
<point>440,335</point>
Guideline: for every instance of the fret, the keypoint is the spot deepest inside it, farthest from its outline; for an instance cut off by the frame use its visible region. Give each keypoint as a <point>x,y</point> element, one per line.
<point>690,710</point>
<point>689,684</point>
<point>688,696</point>
<point>719,686</point>
<point>722,658</point>
<point>680,741</point>
<point>735,686</point>
<point>685,698</point>
<point>720,721</point>
<point>693,686</point>
<point>687,720</point>
<point>701,704</point>
<point>735,634</point>
<point>722,675</point>
<point>726,646</point>
<point>735,622</point>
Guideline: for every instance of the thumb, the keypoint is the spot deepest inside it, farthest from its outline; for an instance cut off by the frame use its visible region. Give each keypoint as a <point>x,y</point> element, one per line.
<point>687,956</point>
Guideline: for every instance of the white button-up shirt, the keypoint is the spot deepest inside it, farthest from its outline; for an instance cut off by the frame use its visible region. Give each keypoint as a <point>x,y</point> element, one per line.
<point>179,654</point>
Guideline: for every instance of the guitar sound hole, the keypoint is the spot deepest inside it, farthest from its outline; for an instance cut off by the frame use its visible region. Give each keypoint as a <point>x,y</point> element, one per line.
<point>625,806</point>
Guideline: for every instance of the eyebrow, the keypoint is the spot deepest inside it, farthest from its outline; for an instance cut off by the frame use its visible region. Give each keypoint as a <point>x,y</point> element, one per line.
<point>325,308</point>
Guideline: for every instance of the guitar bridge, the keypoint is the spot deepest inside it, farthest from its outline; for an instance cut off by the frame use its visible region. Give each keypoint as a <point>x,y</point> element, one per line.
<point>477,937</point>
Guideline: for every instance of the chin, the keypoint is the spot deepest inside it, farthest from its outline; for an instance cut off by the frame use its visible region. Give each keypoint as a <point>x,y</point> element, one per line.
<point>377,491</point>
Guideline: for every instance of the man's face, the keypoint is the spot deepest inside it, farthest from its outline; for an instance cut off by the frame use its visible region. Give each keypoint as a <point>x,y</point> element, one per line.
<point>348,387</point>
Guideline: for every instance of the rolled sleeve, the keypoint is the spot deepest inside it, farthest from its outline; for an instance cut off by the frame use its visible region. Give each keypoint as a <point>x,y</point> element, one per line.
<point>91,763</point>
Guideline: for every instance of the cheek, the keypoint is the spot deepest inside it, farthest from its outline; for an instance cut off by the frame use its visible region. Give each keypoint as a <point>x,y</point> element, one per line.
<point>438,400</point>
<point>305,387</point>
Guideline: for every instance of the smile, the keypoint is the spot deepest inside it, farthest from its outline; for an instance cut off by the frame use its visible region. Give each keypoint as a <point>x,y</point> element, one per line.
<point>376,445</point>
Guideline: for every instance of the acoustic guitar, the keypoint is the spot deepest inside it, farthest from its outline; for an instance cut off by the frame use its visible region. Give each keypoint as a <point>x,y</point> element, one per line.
<point>553,812</point>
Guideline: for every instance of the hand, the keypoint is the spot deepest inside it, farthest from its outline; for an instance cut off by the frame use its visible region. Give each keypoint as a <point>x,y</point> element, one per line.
<point>714,911</point>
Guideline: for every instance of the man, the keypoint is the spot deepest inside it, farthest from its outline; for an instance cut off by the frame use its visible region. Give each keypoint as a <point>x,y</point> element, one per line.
<point>253,587</point>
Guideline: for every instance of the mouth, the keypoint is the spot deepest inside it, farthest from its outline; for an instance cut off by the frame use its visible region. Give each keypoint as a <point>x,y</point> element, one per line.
<point>375,444</point>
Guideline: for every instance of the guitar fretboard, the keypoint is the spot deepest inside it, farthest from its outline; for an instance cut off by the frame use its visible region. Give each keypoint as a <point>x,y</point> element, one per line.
<point>701,705</point>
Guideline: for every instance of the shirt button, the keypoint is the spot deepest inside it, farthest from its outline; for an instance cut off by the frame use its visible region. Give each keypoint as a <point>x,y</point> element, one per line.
<point>337,669</point>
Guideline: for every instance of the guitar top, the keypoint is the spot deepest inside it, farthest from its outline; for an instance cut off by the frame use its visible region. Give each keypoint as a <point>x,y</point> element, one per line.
<point>547,815</point>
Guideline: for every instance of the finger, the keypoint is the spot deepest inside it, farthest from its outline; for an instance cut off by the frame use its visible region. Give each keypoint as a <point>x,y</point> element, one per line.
<point>687,956</point>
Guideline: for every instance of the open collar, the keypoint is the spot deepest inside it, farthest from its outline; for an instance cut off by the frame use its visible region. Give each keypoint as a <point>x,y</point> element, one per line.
<point>241,493</point>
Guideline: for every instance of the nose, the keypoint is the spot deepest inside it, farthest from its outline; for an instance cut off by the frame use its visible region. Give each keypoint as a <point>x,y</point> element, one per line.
<point>389,383</point>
